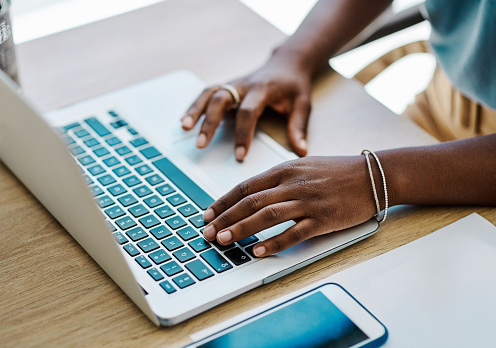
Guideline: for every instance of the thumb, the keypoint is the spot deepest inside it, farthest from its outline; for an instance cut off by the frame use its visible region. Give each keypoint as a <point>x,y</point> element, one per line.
<point>297,125</point>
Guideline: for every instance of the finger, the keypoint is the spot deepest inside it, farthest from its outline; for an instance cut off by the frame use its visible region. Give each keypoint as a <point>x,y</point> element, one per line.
<point>266,217</point>
<point>220,102</point>
<point>297,125</point>
<point>248,113</point>
<point>297,233</point>
<point>196,109</point>
<point>263,181</point>
<point>246,207</point>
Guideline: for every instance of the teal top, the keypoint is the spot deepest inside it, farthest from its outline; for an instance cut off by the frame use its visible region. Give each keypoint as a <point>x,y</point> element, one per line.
<point>464,40</point>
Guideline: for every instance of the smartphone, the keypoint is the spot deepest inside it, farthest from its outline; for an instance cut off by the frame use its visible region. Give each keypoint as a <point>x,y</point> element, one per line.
<point>327,316</point>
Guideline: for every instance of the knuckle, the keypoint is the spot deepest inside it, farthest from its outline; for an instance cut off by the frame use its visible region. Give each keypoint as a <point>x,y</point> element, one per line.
<point>243,189</point>
<point>223,220</point>
<point>296,236</point>
<point>271,213</point>
<point>251,202</point>
<point>246,112</point>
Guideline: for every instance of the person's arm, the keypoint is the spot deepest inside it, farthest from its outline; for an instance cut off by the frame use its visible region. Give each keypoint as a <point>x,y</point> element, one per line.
<point>284,83</point>
<point>327,194</point>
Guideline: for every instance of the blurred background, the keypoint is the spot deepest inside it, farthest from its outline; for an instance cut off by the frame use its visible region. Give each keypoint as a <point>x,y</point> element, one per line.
<point>32,19</point>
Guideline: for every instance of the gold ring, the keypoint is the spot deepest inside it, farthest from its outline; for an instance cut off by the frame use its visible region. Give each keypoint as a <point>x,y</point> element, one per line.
<point>234,93</point>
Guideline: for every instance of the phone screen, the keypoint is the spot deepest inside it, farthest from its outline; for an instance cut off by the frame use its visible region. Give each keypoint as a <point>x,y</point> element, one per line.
<point>313,321</point>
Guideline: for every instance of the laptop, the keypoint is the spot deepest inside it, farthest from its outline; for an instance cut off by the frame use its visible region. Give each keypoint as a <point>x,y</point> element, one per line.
<point>129,185</point>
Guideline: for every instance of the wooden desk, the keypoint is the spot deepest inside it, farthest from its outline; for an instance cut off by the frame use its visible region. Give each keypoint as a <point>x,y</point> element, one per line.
<point>52,292</point>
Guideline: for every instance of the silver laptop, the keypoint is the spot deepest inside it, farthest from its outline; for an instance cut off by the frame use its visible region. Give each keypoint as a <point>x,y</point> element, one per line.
<point>133,187</point>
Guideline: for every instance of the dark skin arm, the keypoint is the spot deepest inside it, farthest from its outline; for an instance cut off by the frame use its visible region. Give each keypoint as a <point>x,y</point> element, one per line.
<point>284,83</point>
<point>326,194</point>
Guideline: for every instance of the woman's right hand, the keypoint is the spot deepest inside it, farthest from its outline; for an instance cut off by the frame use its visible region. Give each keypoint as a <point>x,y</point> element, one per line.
<point>281,84</point>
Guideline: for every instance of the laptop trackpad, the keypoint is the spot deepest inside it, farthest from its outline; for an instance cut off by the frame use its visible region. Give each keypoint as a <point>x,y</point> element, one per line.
<point>218,163</point>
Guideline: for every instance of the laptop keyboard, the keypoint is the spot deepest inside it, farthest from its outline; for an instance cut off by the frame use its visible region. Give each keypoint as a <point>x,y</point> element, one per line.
<point>155,211</point>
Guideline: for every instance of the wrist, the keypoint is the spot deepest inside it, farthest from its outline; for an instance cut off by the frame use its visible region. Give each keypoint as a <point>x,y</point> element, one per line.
<point>294,59</point>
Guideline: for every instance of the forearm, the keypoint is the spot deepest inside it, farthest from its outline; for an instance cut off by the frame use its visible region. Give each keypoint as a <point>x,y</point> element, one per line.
<point>456,172</point>
<point>328,27</point>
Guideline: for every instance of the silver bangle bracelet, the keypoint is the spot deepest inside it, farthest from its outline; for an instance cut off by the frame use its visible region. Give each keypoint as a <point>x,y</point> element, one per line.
<point>386,201</point>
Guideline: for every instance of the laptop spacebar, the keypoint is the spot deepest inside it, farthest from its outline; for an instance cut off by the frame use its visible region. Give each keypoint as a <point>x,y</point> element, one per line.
<point>185,184</point>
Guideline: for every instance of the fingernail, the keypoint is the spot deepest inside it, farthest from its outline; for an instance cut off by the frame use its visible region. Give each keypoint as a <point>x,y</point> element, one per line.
<point>240,153</point>
<point>209,232</point>
<point>209,214</point>
<point>187,122</point>
<point>259,251</point>
<point>303,144</point>
<point>224,237</point>
<point>201,141</point>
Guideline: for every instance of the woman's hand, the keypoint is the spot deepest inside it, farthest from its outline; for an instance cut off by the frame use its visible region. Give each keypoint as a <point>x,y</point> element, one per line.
<point>321,194</point>
<point>280,85</point>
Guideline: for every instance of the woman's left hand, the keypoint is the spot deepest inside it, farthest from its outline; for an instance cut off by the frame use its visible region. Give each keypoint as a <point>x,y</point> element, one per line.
<point>321,194</point>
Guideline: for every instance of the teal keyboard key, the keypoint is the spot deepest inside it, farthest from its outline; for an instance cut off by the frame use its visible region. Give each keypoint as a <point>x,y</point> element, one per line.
<point>70,126</point>
<point>119,237</point>
<point>175,222</point>
<point>138,210</point>
<point>132,131</point>
<point>106,180</point>
<point>148,245</point>
<point>197,221</point>
<point>143,261</point>
<point>159,256</point>
<point>199,245</point>
<point>187,233</point>
<point>136,234</point>
<point>115,212</point>
<point>248,240</point>
<point>187,210</point>
<point>121,171</point>
<point>167,287</point>
<point>96,191</point>
<point>91,142</point>
<point>96,170</point>
<point>111,161</point>
<point>101,151</point>
<point>131,181</point>
<point>131,249</point>
<point>81,133</point>
<point>142,191</point>
<point>164,212</point>
<point>153,201</point>
<point>176,200</point>
<point>113,141</point>
<point>183,281</point>
<point>68,140</point>
<point>127,200</point>
<point>144,169</point>
<point>183,255</point>
<point>172,243</point>
<point>165,190</point>
<point>171,268</point>
<point>104,201</point>
<point>160,232</point>
<point>123,150</point>
<point>111,226</point>
<point>117,190</point>
<point>87,179</point>
<point>77,150</point>
<point>138,142</point>
<point>118,124</point>
<point>154,180</point>
<point>216,260</point>
<point>155,274</point>
<point>184,183</point>
<point>113,113</point>
<point>97,126</point>
<point>133,160</point>
<point>86,160</point>
<point>199,270</point>
<point>125,223</point>
<point>149,221</point>
<point>150,152</point>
